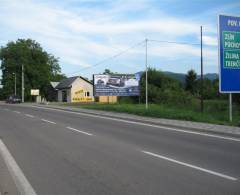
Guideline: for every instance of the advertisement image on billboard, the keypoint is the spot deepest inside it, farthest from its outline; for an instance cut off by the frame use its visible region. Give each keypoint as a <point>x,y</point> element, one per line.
<point>116,85</point>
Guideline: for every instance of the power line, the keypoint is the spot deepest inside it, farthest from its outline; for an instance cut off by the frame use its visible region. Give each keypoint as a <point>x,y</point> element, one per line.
<point>133,46</point>
<point>110,58</point>
<point>174,42</point>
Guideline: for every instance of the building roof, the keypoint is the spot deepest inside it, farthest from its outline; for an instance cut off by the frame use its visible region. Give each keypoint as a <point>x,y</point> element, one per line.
<point>67,83</point>
<point>86,80</point>
<point>54,84</point>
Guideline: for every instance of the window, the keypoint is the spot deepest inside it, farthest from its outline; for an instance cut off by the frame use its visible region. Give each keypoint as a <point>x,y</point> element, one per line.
<point>87,94</point>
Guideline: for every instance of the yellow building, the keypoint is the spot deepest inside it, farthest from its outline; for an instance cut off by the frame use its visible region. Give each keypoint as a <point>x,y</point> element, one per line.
<point>75,89</point>
<point>79,89</point>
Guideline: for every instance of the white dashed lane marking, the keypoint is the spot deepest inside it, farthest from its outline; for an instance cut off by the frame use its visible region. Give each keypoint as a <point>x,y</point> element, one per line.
<point>29,115</point>
<point>79,131</point>
<point>47,121</point>
<point>190,166</point>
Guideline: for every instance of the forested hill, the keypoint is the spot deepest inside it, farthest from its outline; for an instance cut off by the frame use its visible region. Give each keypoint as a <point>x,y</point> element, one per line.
<point>181,77</point>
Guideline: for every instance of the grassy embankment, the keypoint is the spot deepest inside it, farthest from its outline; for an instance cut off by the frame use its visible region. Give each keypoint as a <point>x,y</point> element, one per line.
<point>215,111</point>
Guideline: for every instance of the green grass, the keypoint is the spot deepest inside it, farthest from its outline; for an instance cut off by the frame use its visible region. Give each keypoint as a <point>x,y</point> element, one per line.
<point>215,111</point>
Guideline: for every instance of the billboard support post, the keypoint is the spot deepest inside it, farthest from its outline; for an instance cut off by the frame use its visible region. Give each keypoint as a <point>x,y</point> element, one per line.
<point>146,64</point>
<point>230,107</point>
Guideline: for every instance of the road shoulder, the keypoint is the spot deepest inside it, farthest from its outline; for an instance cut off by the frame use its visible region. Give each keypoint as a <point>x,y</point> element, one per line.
<point>187,125</point>
<point>7,185</point>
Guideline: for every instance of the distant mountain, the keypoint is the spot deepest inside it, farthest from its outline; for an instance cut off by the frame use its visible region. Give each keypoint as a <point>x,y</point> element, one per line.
<point>181,77</point>
<point>178,76</point>
<point>210,76</point>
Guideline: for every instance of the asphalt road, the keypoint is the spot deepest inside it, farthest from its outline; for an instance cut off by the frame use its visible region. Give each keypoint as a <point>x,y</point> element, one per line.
<point>70,153</point>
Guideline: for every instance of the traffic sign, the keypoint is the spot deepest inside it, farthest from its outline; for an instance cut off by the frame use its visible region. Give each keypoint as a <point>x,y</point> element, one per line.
<point>229,54</point>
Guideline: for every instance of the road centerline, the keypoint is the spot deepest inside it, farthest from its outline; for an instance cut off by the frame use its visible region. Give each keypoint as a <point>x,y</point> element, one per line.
<point>48,121</point>
<point>79,131</point>
<point>190,166</point>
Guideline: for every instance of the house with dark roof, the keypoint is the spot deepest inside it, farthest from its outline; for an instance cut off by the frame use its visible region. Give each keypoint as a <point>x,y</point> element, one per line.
<point>75,89</point>
<point>51,92</point>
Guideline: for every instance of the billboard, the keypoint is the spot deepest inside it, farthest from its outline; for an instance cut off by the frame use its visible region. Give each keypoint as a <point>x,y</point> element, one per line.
<point>229,54</point>
<point>116,85</point>
<point>34,92</point>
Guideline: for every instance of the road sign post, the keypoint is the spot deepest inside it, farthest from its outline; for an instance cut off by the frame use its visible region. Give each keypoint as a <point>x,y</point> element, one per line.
<point>229,56</point>
<point>230,107</point>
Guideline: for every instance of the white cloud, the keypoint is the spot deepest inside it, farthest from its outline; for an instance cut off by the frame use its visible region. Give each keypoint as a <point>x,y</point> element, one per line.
<point>176,50</point>
<point>82,36</point>
<point>208,40</point>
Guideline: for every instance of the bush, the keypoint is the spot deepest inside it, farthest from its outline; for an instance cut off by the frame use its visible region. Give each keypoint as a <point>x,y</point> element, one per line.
<point>164,90</point>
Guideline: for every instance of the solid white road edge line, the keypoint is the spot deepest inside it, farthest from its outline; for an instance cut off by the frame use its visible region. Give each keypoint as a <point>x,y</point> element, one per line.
<point>17,112</point>
<point>79,131</point>
<point>20,180</point>
<point>48,121</point>
<point>29,115</point>
<point>191,166</point>
<point>148,125</point>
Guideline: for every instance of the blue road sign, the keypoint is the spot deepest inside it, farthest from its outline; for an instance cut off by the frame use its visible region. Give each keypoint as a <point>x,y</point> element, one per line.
<point>229,54</point>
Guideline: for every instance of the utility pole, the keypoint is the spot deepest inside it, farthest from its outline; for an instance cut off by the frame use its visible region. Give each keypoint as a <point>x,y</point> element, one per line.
<point>22,83</point>
<point>201,74</point>
<point>15,84</point>
<point>146,87</point>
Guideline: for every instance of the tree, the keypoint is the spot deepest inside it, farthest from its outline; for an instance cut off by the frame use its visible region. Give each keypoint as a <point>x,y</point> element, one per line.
<point>107,71</point>
<point>58,77</point>
<point>39,67</point>
<point>191,81</point>
<point>163,89</point>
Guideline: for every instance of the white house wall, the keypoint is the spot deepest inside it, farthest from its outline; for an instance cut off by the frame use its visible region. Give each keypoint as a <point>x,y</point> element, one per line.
<point>59,96</point>
<point>69,95</point>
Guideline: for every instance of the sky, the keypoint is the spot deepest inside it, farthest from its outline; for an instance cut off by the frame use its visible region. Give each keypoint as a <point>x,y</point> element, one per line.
<point>89,36</point>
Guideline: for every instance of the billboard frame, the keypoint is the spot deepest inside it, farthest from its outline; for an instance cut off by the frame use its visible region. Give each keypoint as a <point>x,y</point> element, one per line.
<point>94,87</point>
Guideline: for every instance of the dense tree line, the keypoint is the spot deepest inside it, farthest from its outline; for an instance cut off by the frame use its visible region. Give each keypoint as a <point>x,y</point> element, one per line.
<point>166,90</point>
<point>210,87</point>
<point>163,89</point>
<point>40,67</point>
